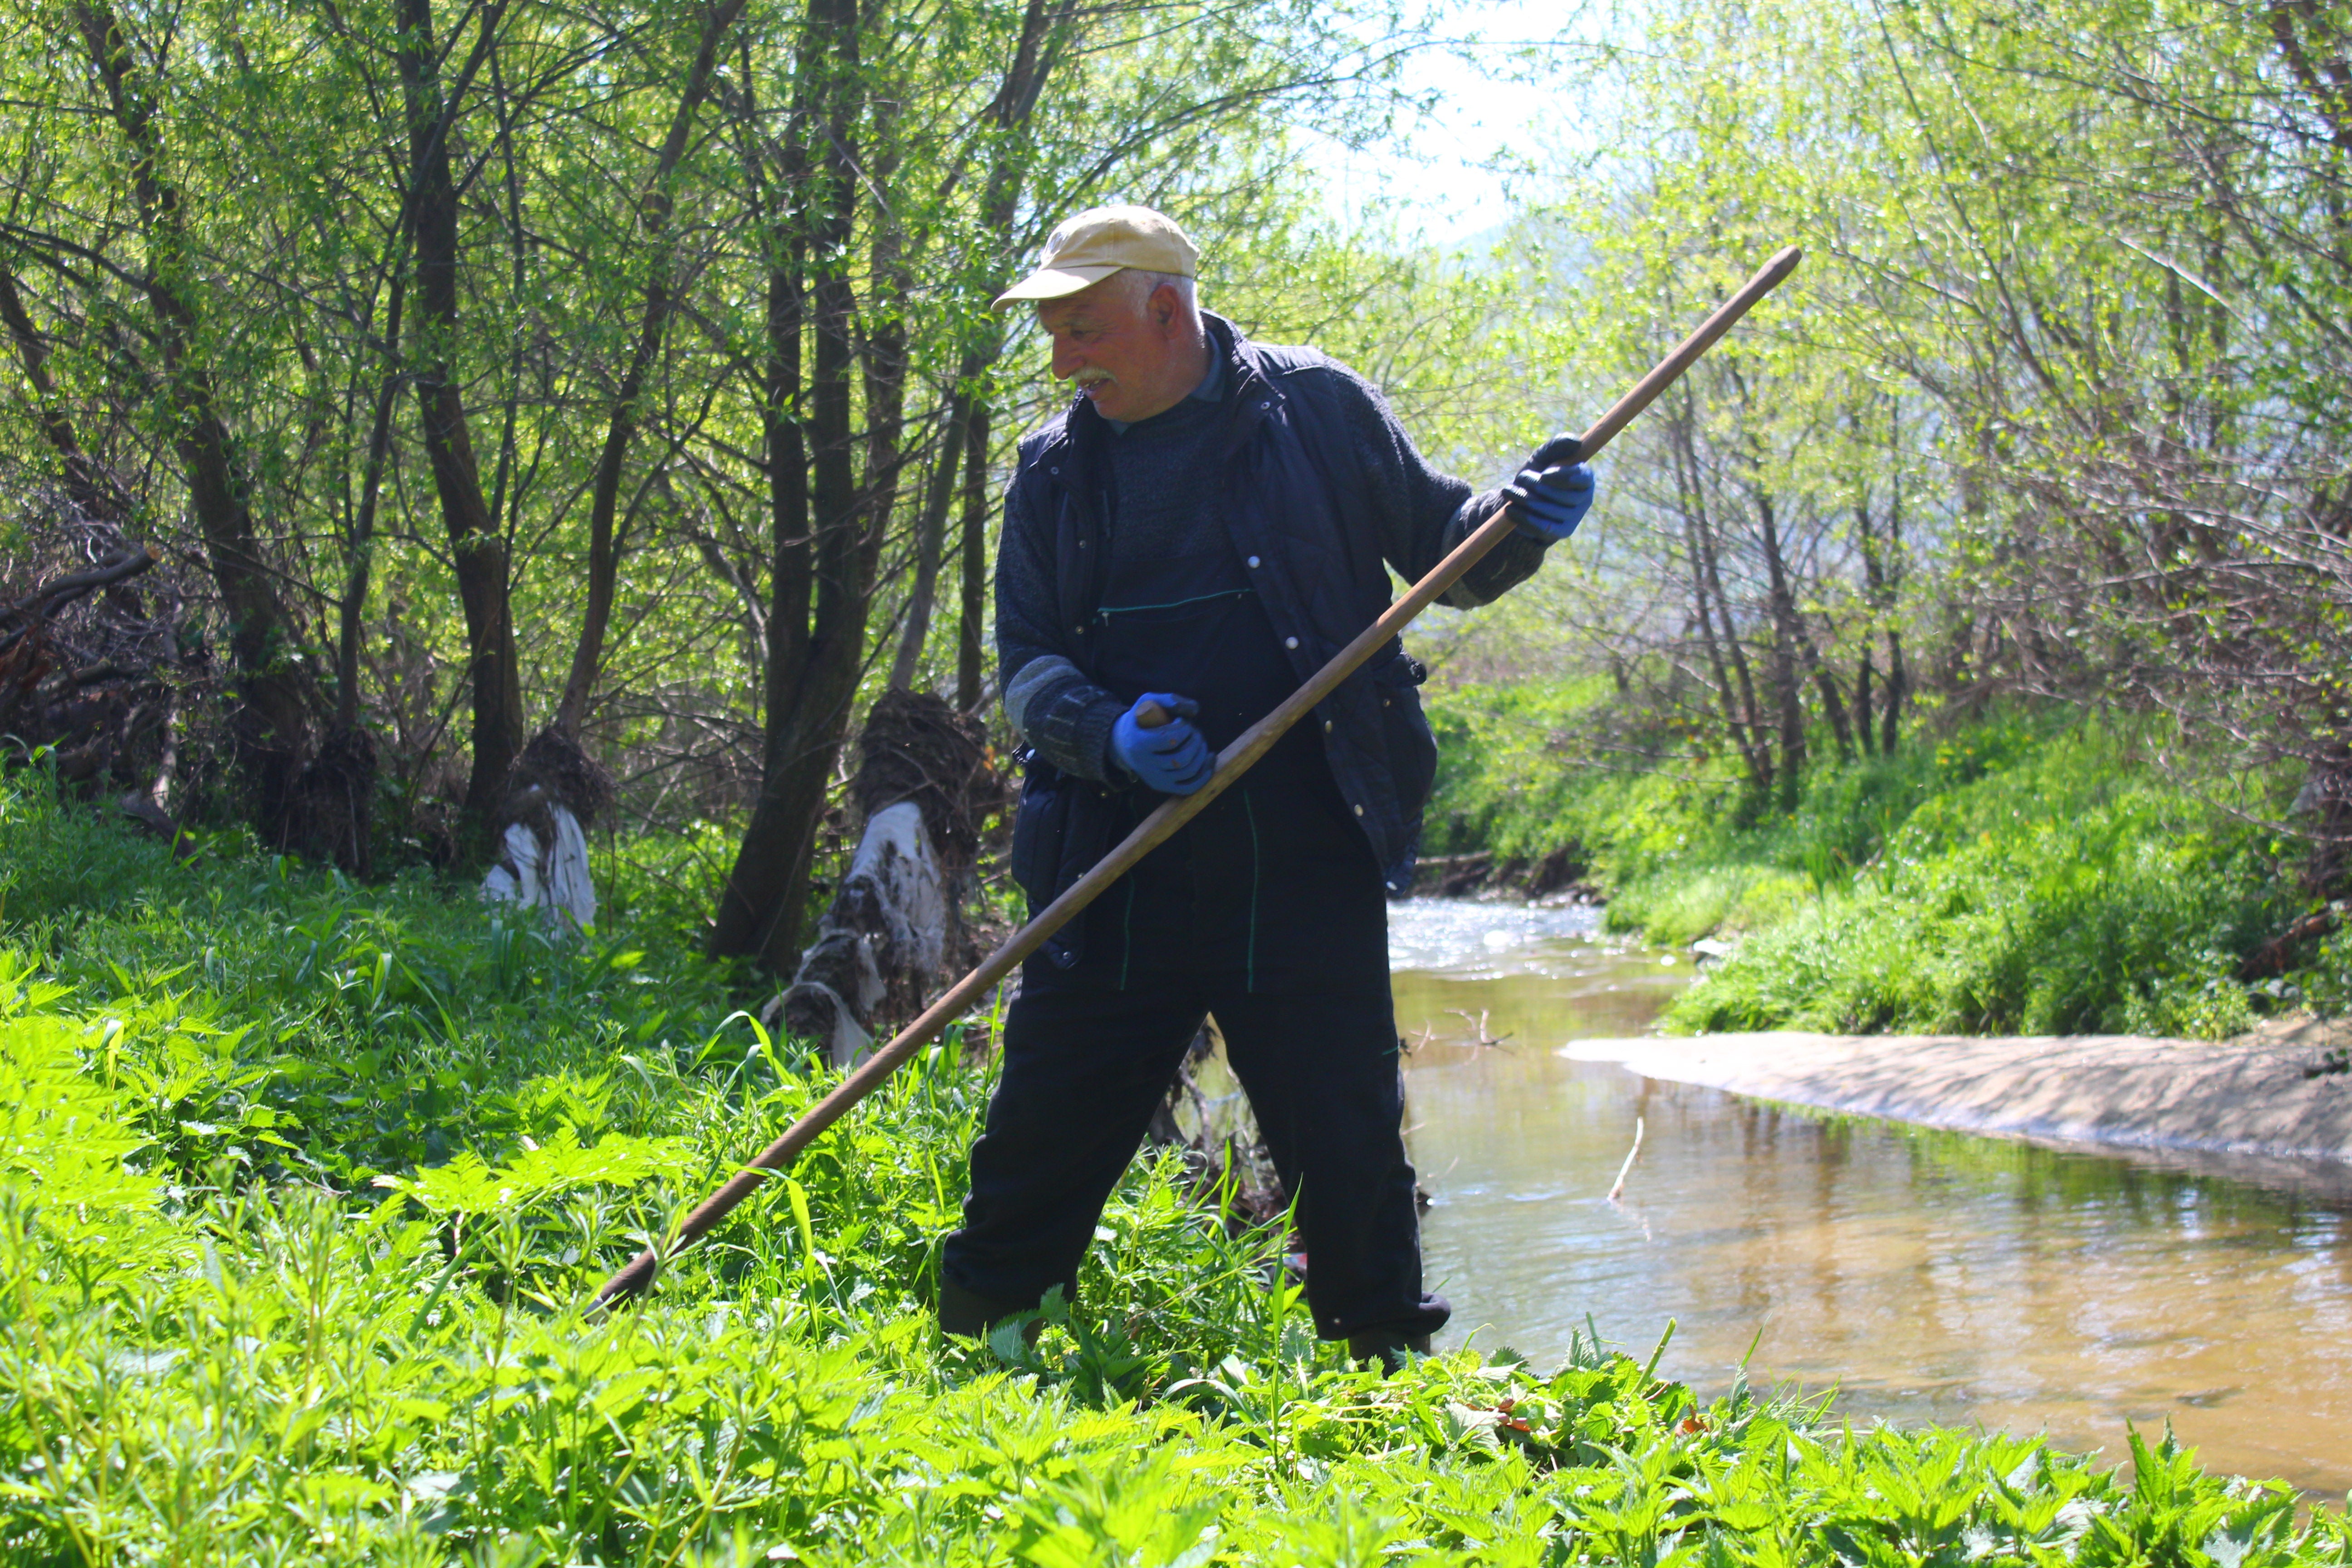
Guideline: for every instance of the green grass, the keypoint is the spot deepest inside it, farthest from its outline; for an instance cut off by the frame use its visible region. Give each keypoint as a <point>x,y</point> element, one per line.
<point>302,1187</point>
<point>2020,874</point>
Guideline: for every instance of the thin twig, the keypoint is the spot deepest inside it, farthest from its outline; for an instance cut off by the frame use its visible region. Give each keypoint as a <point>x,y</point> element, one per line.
<point>1627,1169</point>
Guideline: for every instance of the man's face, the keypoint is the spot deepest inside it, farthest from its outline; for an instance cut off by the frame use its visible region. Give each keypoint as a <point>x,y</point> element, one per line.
<point>1128,353</point>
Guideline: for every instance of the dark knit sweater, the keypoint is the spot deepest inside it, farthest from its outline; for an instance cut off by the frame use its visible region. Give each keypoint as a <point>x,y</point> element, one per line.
<point>1164,493</point>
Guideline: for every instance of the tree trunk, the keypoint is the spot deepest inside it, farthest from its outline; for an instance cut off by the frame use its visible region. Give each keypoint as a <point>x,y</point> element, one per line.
<point>1737,721</point>
<point>884,361</point>
<point>556,793</point>
<point>275,703</point>
<point>893,931</point>
<point>931,539</point>
<point>1880,566</point>
<point>605,544</point>
<point>1787,636</point>
<point>360,548</point>
<point>1034,57</point>
<point>92,490</point>
<point>1863,675</point>
<point>816,649</point>
<point>1832,704</point>
<point>1742,715</point>
<point>972,652</point>
<point>1899,687</point>
<point>477,549</point>
<point>822,582</point>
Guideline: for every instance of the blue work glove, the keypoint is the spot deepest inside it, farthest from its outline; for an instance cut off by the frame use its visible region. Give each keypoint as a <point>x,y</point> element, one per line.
<point>1554,490</point>
<point>1172,757</point>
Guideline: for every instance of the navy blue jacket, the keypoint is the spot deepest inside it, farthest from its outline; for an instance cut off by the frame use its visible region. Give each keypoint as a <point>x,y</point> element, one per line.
<point>1324,491</point>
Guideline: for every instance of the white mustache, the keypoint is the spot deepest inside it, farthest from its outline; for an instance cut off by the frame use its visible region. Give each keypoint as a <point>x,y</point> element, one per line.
<point>1087,378</point>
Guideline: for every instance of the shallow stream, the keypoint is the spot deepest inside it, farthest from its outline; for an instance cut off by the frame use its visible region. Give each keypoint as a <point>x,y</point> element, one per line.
<point>1927,1276</point>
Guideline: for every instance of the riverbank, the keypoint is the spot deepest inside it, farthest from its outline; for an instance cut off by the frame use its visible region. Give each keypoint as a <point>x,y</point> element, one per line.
<point>2024,871</point>
<point>2280,1094</point>
<point>1932,1277</point>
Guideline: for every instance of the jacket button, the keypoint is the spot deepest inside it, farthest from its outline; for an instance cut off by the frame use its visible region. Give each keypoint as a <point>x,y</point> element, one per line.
<point>1290,642</point>
<point>1253,563</point>
<point>1326,726</point>
<point>1080,628</point>
<point>1360,811</point>
<point>1053,470</point>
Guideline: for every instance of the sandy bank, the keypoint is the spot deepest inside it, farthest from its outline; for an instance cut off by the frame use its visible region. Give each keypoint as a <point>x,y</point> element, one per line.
<point>2274,1095</point>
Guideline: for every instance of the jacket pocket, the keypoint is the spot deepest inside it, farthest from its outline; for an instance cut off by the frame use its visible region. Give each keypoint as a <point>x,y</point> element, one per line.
<point>1411,746</point>
<point>1038,830</point>
<point>1064,826</point>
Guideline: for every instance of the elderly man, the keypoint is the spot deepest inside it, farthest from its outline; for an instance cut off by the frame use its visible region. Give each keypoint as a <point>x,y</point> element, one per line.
<point>1209,522</point>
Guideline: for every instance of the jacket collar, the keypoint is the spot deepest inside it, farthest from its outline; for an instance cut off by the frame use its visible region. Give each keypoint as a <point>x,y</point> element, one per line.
<point>1249,394</point>
<point>1245,374</point>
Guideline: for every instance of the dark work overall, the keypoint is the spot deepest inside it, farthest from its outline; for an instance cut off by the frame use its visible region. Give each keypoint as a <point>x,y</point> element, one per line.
<point>1267,910</point>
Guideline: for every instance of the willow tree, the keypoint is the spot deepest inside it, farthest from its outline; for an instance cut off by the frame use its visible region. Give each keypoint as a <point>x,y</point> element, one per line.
<point>2057,405</point>
<point>622,370</point>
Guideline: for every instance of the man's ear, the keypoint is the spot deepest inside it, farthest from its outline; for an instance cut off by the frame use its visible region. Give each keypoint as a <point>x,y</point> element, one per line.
<point>1163,306</point>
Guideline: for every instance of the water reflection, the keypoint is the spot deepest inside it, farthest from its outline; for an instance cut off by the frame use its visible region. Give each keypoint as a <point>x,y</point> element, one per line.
<point>1928,1276</point>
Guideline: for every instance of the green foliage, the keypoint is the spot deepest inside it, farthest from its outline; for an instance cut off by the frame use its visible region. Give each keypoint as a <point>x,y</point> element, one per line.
<point>2053,404</point>
<point>2020,876</point>
<point>1504,781</point>
<point>2034,885</point>
<point>301,1189</point>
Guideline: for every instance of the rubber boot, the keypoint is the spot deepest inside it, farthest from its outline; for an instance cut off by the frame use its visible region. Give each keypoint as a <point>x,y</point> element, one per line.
<point>1386,1346</point>
<point>970,1315</point>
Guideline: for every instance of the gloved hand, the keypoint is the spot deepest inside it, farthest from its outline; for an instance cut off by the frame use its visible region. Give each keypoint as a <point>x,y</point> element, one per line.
<point>1172,758</point>
<point>1554,490</point>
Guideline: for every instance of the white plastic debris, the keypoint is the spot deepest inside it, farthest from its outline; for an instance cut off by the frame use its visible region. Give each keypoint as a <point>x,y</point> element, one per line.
<point>552,876</point>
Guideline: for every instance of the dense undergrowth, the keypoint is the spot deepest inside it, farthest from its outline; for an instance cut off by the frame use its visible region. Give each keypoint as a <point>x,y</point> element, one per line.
<point>301,1185</point>
<point>2020,874</point>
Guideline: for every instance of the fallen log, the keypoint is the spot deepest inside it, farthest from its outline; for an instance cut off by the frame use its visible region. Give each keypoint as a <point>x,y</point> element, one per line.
<point>2273,956</point>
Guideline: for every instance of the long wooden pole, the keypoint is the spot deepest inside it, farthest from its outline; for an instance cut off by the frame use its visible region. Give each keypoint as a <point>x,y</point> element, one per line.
<point>1174,812</point>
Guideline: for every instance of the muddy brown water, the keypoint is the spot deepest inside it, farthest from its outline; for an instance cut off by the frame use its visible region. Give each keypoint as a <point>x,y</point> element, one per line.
<point>1925,1276</point>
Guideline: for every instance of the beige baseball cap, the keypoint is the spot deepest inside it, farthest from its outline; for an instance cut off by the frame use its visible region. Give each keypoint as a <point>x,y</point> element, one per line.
<point>1089,247</point>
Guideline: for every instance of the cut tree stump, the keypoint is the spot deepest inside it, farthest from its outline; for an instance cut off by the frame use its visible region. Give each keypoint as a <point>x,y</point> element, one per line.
<point>895,927</point>
<point>554,794</point>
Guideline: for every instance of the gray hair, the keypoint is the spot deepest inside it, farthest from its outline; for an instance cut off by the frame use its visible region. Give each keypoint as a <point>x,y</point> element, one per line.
<point>1188,295</point>
<point>1142,285</point>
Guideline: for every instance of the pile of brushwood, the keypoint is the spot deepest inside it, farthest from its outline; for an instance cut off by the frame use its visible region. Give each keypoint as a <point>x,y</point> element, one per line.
<point>90,660</point>
<point>302,1184</point>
